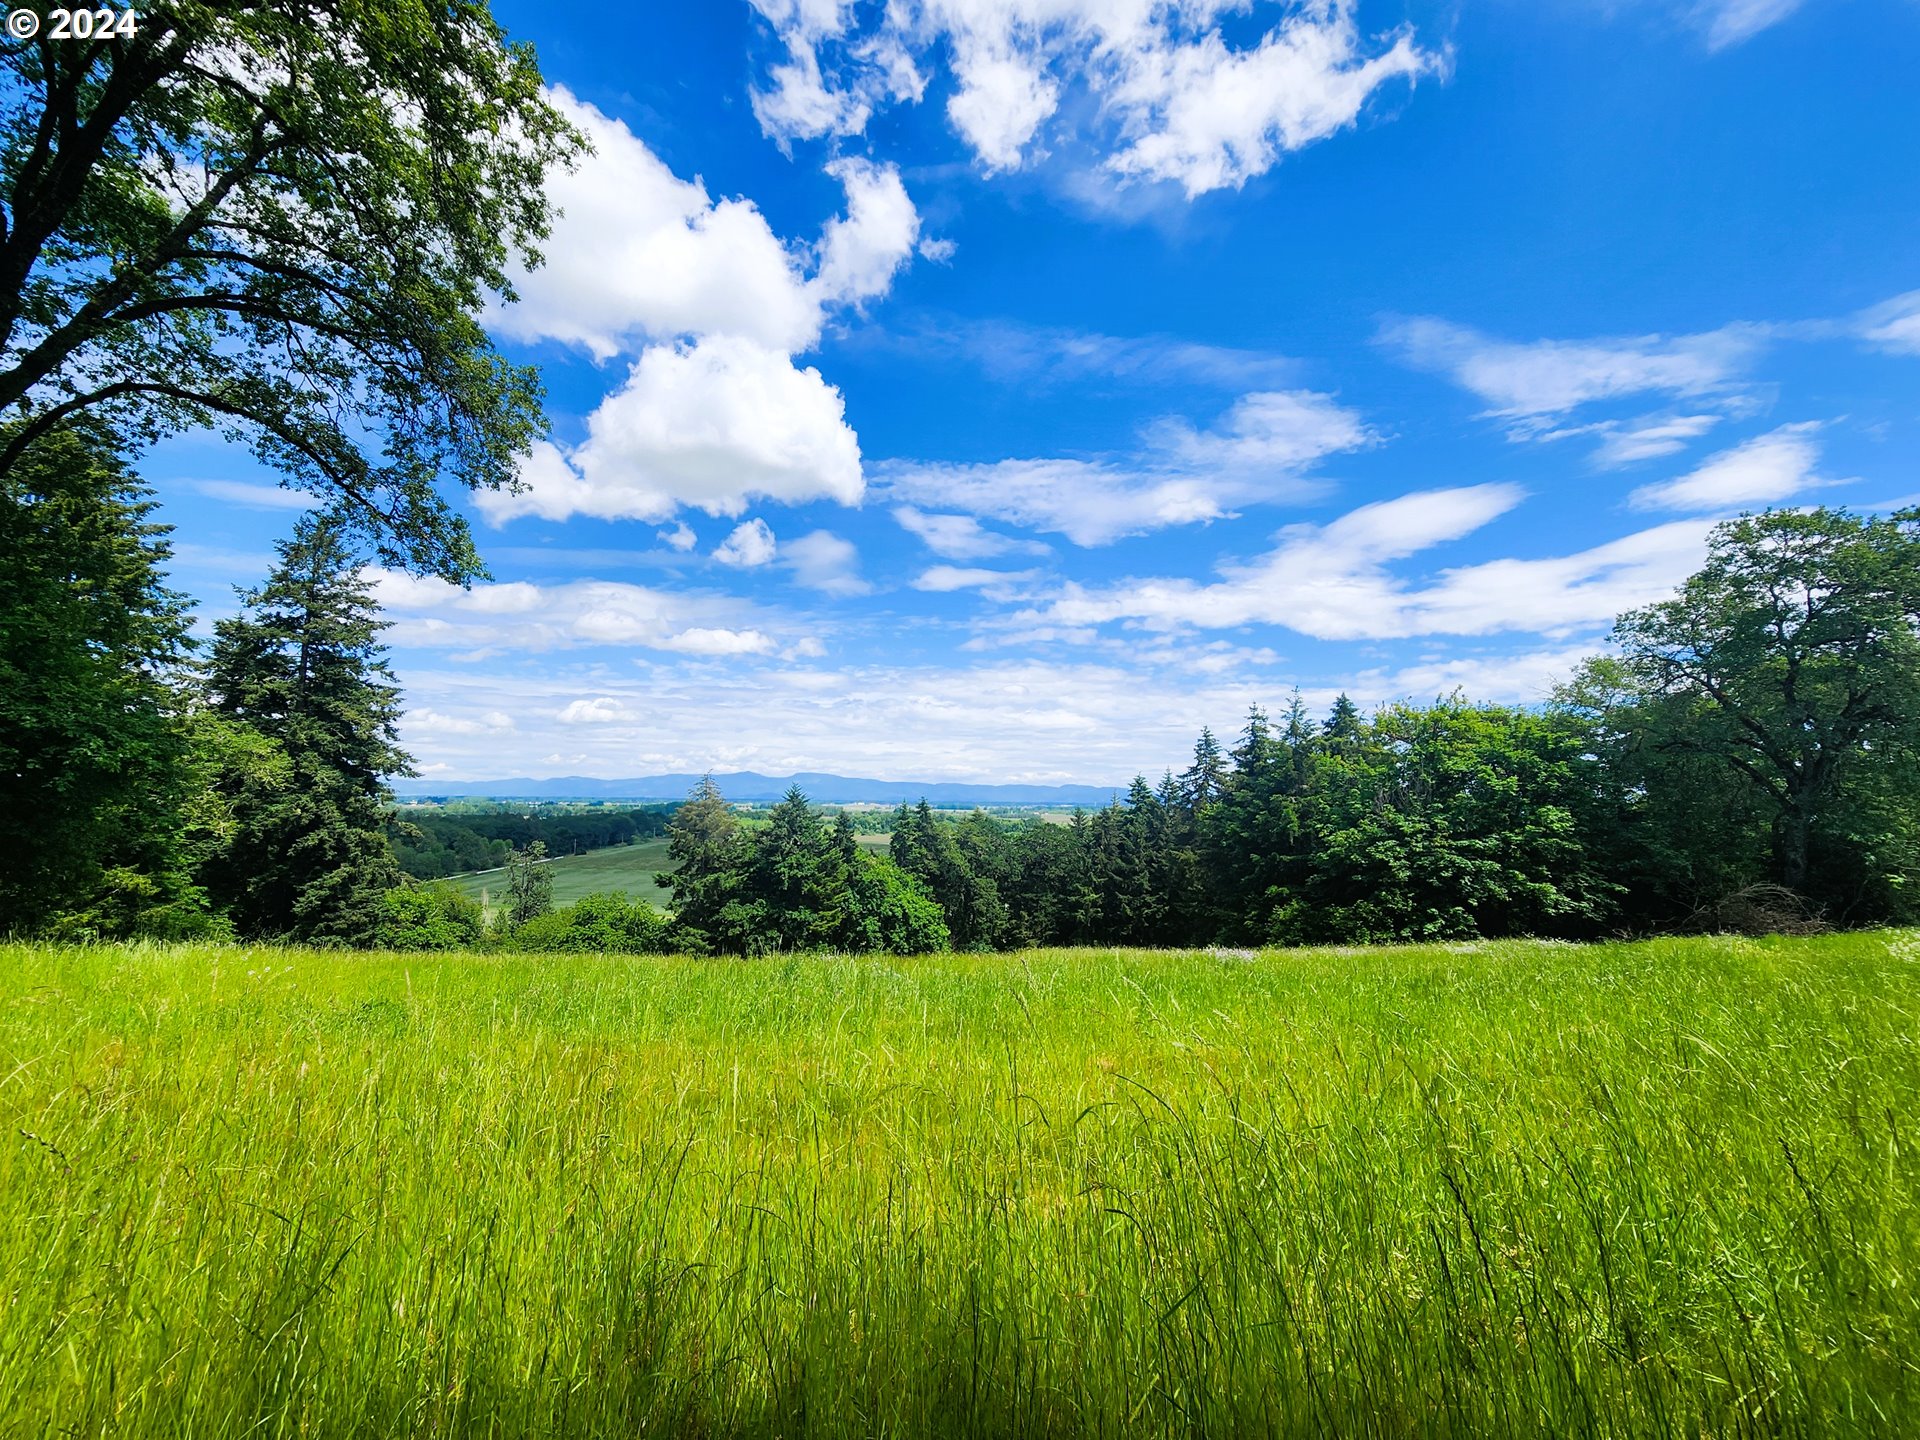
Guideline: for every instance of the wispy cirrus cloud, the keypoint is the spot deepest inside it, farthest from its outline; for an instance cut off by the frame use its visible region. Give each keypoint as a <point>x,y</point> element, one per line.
<point>1338,581</point>
<point>1763,471</point>
<point>1260,452</point>
<point>1727,23</point>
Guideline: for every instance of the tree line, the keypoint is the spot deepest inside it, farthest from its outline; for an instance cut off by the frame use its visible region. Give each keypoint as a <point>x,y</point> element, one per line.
<point>1745,754</point>
<point>433,845</point>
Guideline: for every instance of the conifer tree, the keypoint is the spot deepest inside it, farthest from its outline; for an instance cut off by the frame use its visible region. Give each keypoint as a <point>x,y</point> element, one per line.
<point>304,666</point>
<point>92,759</point>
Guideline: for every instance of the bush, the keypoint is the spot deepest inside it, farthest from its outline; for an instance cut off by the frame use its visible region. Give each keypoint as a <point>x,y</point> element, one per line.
<point>596,924</point>
<point>429,917</point>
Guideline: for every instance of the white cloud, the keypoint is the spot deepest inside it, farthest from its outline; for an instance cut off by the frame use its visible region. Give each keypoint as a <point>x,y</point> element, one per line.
<point>1002,720</point>
<point>1333,582</point>
<point>715,425</point>
<point>256,497</point>
<point>1015,353</point>
<point>823,561</point>
<point>940,252</point>
<point>1649,437</point>
<point>1763,471</point>
<point>942,579</point>
<point>680,537</point>
<point>432,722</point>
<point>1728,22</point>
<point>601,710</point>
<point>1894,325</point>
<point>1526,678</point>
<point>638,253</point>
<point>1167,97</point>
<point>1215,117</point>
<point>1182,476</point>
<point>1531,381</point>
<point>703,640</point>
<point>749,545</point>
<point>861,252</point>
<point>521,617</point>
<point>959,537</point>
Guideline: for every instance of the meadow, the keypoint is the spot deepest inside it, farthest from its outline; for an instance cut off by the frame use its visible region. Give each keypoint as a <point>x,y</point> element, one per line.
<point>617,870</point>
<point>1662,1189</point>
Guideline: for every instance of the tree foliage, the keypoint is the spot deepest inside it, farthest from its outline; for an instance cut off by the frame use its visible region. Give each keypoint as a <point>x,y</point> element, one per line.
<point>93,762</point>
<point>282,222</point>
<point>303,666</point>
<point>1790,665</point>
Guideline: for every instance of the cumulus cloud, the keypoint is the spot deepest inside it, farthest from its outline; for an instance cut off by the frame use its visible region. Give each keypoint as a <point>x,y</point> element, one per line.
<point>679,537</point>
<point>863,250</point>
<point>1763,471</point>
<point>639,255</point>
<point>601,710</point>
<point>1333,581</point>
<point>749,545</point>
<point>1258,453</point>
<point>714,412</point>
<point>715,424</point>
<point>1168,96</point>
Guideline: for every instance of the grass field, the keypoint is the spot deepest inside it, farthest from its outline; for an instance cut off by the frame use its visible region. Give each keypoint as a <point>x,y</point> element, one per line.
<point>620,869</point>
<point>1662,1189</point>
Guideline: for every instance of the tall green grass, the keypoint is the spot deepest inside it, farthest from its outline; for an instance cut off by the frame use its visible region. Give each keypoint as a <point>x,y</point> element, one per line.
<point>1664,1189</point>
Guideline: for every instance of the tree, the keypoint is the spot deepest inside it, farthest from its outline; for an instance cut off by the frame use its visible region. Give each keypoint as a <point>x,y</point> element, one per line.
<point>92,757</point>
<point>1793,657</point>
<point>1447,821</point>
<point>303,665</point>
<point>709,855</point>
<point>282,222</point>
<point>529,884</point>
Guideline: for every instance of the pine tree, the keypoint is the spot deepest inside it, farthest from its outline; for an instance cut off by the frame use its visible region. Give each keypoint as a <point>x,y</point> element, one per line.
<point>1344,723</point>
<point>1206,777</point>
<point>303,665</point>
<point>93,772</point>
<point>709,854</point>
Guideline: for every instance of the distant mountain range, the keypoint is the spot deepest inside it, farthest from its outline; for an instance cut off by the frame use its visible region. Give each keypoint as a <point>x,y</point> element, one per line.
<point>746,785</point>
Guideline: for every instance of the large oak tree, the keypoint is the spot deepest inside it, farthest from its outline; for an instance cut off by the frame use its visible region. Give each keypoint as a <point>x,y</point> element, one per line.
<point>282,219</point>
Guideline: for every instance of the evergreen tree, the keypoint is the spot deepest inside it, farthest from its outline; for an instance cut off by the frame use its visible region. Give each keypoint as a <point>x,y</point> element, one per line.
<point>93,754</point>
<point>1344,723</point>
<point>303,666</point>
<point>709,854</point>
<point>1206,777</point>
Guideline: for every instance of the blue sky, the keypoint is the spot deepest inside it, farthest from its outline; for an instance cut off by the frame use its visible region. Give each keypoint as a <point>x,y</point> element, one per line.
<point>1003,389</point>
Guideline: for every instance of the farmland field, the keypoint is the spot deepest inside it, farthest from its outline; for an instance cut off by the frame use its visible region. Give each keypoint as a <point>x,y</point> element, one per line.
<point>1502,1189</point>
<point>619,869</point>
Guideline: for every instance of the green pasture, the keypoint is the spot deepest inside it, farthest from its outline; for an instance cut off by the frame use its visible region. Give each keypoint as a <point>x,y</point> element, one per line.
<point>620,869</point>
<point>1663,1189</point>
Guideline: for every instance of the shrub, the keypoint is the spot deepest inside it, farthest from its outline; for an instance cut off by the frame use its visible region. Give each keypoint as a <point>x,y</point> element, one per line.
<point>429,917</point>
<point>596,924</point>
